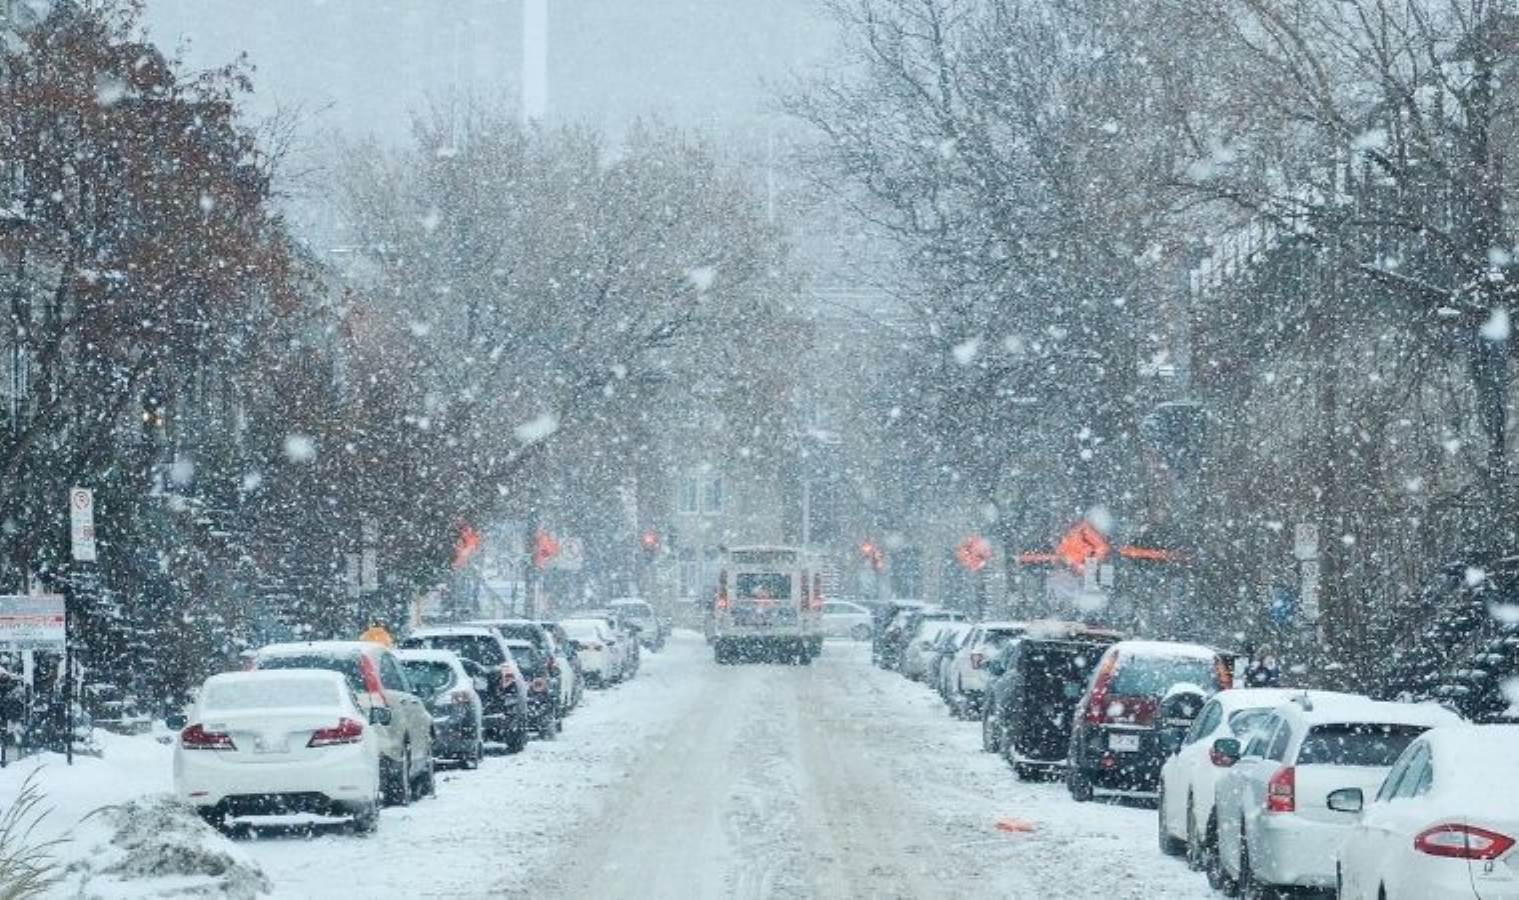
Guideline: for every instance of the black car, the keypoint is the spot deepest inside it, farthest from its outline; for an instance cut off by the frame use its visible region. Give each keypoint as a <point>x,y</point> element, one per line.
<point>1036,682</point>
<point>542,689</point>
<point>883,645</point>
<point>505,704</point>
<point>450,687</point>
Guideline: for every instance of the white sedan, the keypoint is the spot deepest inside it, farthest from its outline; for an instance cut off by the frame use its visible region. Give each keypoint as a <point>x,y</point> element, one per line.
<point>279,742</point>
<point>597,647</point>
<point>1187,819</point>
<point>842,619</point>
<point>1445,822</point>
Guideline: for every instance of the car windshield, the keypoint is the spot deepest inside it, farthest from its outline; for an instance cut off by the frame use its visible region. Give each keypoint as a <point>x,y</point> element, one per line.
<point>428,677</point>
<point>347,665</point>
<point>1359,744</point>
<point>1140,676</point>
<point>269,693</point>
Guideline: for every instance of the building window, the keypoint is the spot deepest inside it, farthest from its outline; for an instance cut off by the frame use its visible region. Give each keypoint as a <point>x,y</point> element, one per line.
<point>712,494</point>
<point>688,494</point>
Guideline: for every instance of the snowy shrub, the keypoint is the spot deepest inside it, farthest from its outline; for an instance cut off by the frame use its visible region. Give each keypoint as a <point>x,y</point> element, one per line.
<point>27,865</point>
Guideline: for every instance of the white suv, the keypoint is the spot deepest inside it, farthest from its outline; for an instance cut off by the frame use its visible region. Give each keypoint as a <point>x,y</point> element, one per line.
<point>1275,825</point>
<point>968,677</point>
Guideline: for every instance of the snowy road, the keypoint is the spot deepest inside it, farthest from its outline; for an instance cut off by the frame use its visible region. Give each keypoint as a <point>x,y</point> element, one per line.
<point>694,780</point>
<point>840,780</point>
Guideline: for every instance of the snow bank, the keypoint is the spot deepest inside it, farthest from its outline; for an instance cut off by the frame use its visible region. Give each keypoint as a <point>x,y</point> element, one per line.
<point>157,847</point>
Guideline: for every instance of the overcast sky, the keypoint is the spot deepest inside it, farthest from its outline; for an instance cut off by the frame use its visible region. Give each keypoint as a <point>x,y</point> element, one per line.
<point>361,65</point>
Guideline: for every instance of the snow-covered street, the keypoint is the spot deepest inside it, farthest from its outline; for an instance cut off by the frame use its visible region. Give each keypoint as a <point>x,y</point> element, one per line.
<point>694,780</point>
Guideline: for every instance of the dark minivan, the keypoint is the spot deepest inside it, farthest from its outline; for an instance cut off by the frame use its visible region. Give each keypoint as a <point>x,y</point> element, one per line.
<point>1037,680</point>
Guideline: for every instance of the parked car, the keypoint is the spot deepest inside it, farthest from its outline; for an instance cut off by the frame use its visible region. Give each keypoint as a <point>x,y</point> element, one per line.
<point>1276,828</point>
<point>939,664</point>
<point>504,700</point>
<point>596,646</point>
<point>571,677</point>
<point>967,679</point>
<point>1037,680</point>
<point>450,687</point>
<point>376,677</point>
<point>280,742</point>
<point>624,641</point>
<point>843,619</point>
<point>925,626</point>
<point>651,629</point>
<point>1187,819</point>
<point>542,687</point>
<point>1444,823</point>
<point>1115,734</point>
<point>534,633</point>
<point>889,620</point>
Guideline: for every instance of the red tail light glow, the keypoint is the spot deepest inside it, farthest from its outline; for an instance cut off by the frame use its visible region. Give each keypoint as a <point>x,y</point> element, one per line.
<point>347,731</point>
<point>540,684</point>
<point>977,659</point>
<point>1097,703</point>
<point>1457,841</point>
<point>195,737</point>
<point>1281,791</point>
<point>507,673</point>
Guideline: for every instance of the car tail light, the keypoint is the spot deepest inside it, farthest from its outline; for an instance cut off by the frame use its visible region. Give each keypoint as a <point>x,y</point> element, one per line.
<point>507,673</point>
<point>1222,673</point>
<point>722,590</point>
<point>1097,703</point>
<point>347,731</point>
<point>459,697</point>
<point>553,665</point>
<point>1462,842</point>
<point>817,591</point>
<point>1281,791</point>
<point>977,659</point>
<point>540,684</point>
<point>194,737</point>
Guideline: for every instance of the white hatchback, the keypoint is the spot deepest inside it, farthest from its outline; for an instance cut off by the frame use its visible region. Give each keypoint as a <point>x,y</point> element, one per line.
<point>279,742</point>
<point>1444,823</point>
<point>596,646</point>
<point>1276,828</point>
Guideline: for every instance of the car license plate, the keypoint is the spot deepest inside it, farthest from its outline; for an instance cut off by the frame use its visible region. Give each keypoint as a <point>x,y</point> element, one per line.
<point>266,745</point>
<point>1124,743</point>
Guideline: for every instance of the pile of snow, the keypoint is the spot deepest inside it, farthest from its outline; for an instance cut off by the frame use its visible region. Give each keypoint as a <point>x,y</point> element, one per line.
<point>157,846</point>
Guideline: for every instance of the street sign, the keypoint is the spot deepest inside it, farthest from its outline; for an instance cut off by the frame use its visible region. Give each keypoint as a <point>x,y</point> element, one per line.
<point>1308,593</point>
<point>1305,541</point>
<point>32,622</point>
<point>82,524</point>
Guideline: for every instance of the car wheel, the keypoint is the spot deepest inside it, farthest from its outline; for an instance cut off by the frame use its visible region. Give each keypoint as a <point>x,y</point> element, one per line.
<point>1025,772</point>
<point>1218,879</point>
<point>860,632</point>
<point>988,739</point>
<point>1169,845</point>
<point>548,728</point>
<point>367,818</point>
<point>427,785</point>
<point>1197,852</point>
<point>213,817</point>
<point>1080,786</point>
<point>398,788</point>
<point>1250,888</point>
<point>516,741</point>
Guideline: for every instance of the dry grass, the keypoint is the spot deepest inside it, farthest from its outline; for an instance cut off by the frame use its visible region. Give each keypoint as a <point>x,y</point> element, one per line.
<point>27,866</point>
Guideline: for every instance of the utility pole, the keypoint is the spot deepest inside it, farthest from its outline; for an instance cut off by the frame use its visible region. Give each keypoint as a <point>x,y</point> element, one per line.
<point>535,60</point>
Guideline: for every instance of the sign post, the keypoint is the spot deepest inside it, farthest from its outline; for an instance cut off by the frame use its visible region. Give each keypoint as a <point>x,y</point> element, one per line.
<point>1305,546</point>
<point>82,545</point>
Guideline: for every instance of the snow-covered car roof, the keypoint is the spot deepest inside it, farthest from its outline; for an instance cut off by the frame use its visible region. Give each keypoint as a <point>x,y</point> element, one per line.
<point>497,623</point>
<point>430,655</point>
<point>1260,698</point>
<point>1166,649</point>
<point>1474,758</point>
<point>629,601</point>
<point>1004,626</point>
<point>446,630</point>
<point>257,675</point>
<point>321,648</point>
<point>1330,708</point>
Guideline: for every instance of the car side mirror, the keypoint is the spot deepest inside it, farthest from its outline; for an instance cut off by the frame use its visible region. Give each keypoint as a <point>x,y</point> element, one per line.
<point>1346,800</point>
<point>1225,752</point>
<point>995,668</point>
<point>176,722</point>
<point>379,715</point>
